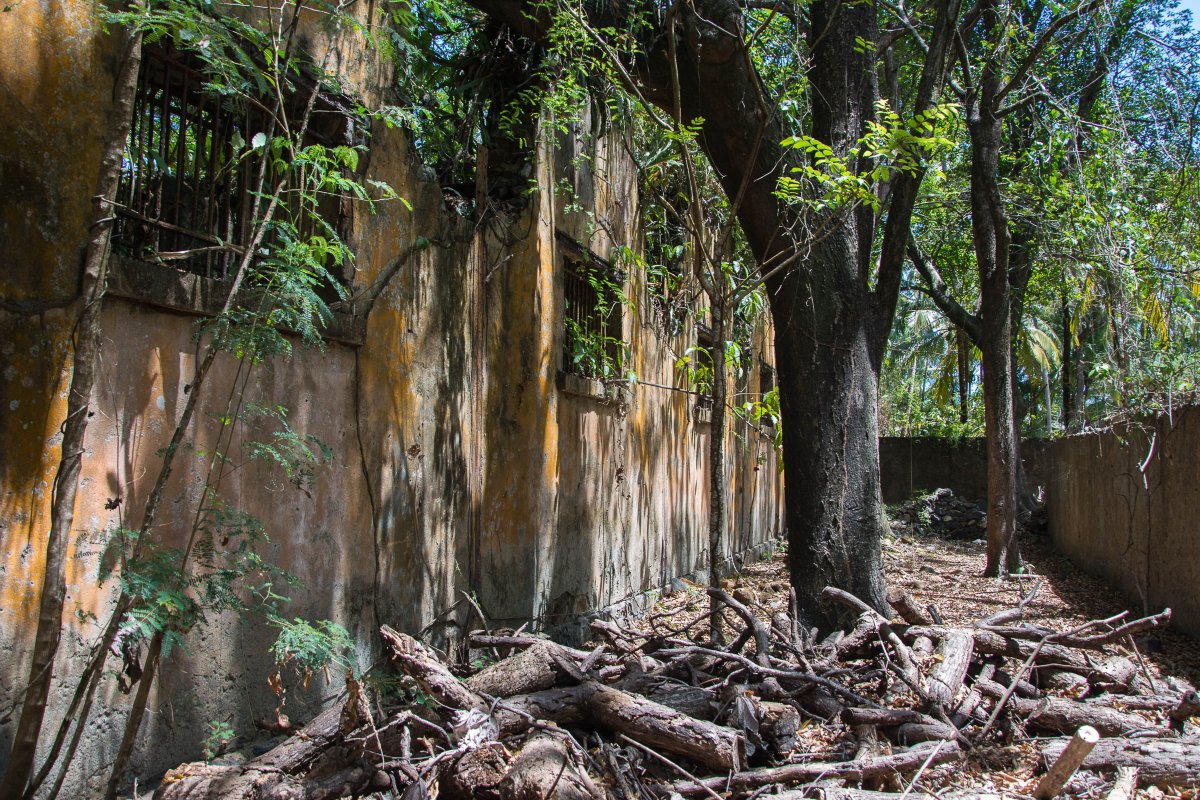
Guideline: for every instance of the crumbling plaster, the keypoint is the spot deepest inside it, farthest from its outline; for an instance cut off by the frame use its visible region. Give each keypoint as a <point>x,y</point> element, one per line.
<point>460,466</point>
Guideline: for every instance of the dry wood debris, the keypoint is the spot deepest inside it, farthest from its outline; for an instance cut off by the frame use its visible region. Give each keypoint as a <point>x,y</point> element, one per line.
<point>921,704</point>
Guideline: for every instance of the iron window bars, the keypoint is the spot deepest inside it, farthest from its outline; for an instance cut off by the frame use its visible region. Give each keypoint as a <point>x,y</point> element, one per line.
<point>187,189</point>
<point>593,345</point>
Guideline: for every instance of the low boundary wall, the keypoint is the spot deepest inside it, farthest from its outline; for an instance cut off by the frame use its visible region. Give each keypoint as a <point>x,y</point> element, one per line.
<point>909,465</point>
<point>1125,505</point>
<point>1122,504</point>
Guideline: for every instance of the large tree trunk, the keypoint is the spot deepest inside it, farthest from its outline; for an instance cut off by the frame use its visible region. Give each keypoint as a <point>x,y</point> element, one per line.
<point>830,444</point>
<point>823,345</point>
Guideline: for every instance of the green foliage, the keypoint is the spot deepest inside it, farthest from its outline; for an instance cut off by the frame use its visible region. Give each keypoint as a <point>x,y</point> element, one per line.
<point>764,412</point>
<point>287,449</point>
<point>591,348</point>
<point>308,647</point>
<point>220,735</point>
<point>829,182</point>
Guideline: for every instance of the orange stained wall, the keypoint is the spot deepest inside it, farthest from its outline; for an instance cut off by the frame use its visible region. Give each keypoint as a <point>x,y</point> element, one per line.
<point>460,465</point>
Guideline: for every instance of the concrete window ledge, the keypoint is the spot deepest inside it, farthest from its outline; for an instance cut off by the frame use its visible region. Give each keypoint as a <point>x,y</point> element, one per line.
<point>163,286</point>
<point>579,386</point>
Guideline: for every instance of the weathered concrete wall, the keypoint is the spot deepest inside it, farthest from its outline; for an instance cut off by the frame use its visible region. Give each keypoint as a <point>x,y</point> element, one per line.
<point>588,501</point>
<point>461,461</point>
<point>1124,505</point>
<point>920,464</point>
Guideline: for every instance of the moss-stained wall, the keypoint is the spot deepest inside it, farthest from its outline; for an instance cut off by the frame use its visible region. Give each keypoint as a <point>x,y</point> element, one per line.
<point>462,461</point>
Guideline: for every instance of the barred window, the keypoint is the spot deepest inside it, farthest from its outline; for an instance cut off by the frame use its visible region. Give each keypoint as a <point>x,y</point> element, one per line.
<point>593,315</point>
<point>766,377</point>
<point>187,186</point>
<point>706,338</point>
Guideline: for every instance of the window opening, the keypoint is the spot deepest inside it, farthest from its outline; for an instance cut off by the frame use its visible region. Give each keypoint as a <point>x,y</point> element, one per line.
<point>766,378</point>
<point>706,338</point>
<point>187,188</point>
<point>593,314</point>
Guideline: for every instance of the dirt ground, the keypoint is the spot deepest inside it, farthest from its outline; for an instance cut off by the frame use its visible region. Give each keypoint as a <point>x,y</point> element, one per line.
<point>946,572</point>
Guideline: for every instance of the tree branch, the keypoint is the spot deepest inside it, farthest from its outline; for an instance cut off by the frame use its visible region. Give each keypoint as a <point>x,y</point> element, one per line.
<point>937,290</point>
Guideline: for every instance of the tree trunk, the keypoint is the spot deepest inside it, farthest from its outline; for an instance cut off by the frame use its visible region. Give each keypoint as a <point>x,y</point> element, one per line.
<point>989,228</point>
<point>823,345</point>
<point>718,511</point>
<point>834,509</point>
<point>963,347</point>
<point>66,481</point>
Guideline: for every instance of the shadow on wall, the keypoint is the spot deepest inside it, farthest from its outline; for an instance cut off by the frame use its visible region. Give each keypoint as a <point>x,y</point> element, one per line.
<point>909,465</point>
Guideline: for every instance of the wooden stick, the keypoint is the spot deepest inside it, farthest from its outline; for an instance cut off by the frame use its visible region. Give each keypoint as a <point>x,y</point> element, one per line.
<point>742,782</point>
<point>1125,787</point>
<point>1064,767</point>
<point>1188,706</point>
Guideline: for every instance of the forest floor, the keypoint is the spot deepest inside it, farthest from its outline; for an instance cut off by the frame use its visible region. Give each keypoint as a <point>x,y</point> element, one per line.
<point>928,556</point>
<point>983,685</point>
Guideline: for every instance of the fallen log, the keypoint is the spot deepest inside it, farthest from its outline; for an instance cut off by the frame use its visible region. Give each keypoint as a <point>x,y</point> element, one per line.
<point>885,717</point>
<point>1162,762</point>
<point>911,733</point>
<point>832,793</point>
<point>1060,715</point>
<point>779,726</point>
<point>1050,655</point>
<point>269,775</point>
<point>546,769</point>
<point>482,640</point>
<point>966,709</point>
<point>475,775</point>
<point>953,656</point>
<point>907,608</point>
<point>543,665</point>
<point>691,700</point>
<point>656,725</point>
<point>431,674</point>
<point>1060,680</point>
<point>995,690</point>
<point>906,761</point>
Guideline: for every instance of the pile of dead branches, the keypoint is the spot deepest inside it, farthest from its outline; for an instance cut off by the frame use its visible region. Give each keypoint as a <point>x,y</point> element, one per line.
<point>645,714</point>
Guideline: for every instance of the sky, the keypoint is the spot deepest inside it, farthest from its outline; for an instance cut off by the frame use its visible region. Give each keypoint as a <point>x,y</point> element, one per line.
<point>1194,7</point>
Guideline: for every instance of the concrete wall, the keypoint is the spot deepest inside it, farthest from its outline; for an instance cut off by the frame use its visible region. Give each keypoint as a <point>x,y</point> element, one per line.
<point>463,462</point>
<point>1121,504</point>
<point>1135,527</point>
<point>909,465</point>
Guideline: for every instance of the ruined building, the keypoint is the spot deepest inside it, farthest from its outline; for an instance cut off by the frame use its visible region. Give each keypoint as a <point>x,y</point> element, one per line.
<point>469,458</point>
